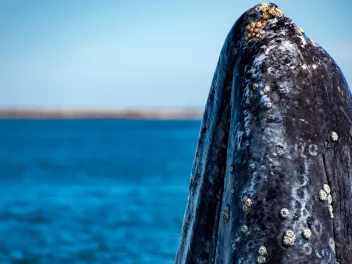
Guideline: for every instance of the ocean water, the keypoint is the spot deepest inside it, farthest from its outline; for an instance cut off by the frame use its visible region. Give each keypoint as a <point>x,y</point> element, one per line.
<point>93,191</point>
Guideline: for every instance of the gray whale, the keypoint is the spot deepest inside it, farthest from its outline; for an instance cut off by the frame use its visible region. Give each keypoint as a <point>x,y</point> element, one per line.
<point>272,176</point>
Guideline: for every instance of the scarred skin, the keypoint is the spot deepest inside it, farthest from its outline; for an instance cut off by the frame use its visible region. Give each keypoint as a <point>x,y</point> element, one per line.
<point>272,176</point>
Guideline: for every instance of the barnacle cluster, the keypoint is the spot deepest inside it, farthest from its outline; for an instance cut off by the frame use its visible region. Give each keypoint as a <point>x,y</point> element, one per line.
<point>289,237</point>
<point>247,203</point>
<point>325,196</point>
<point>268,12</point>
<point>262,253</point>
<point>255,29</point>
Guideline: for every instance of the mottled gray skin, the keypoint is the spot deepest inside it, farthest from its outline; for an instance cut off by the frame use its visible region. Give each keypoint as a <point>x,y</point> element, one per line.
<point>280,157</point>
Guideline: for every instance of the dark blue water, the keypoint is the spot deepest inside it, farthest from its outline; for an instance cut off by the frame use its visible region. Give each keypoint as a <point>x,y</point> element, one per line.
<point>93,191</point>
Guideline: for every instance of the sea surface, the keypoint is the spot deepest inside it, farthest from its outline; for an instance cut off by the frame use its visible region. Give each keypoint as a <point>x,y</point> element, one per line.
<point>93,191</point>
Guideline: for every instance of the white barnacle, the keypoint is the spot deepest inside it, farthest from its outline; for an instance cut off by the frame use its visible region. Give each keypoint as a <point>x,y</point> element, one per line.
<point>334,136</point>
<point>332,215</point>
<point>288,241</point>
<point>290,233</point>
<point>244,198</point>
<point>305,67</point>
<point>262,251</point>
<point>244,229</point>
<point>261,259</point>
<point>307,233</point>
<point>323,196</point>
<point>266,89</point>
<point>331,211</point>
<point>245,208</point>
<point>329,199</point>
<point>285,213</point>
<point>314,66</point>
<point>268,105</point>
<point>248,202</point>
<point>255,86</point>
<point>326,188</point>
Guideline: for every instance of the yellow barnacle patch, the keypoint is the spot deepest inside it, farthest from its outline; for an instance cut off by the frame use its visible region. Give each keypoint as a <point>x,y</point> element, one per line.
<point>254,29</point>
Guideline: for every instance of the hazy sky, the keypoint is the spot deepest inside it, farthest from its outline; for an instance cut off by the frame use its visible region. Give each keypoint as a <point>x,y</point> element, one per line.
<point>134,53</point>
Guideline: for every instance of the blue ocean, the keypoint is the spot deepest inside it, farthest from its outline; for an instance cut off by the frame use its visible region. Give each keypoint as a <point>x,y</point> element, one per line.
<point>93,191</point>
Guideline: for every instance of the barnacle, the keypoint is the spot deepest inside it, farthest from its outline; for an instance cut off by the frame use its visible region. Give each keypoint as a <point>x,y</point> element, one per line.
<point>255,86</point>
<point>334,136</point>
<point>288,241</point>
<point>290,233</point>
<point>245,208</point>
<point>244,198</point>
<point>265,16</point>
<point>284,212</point>
<point>332,215</point>
<point>326,188</point>
<point>329,199</point>
<point>261,259</point>
<point>323,196</point>
<point>331,211</point>
<point>307,233</point>
<point>248,202</point>
<point>262,251</point>
<point>244,229</point>
<point>267,89</point>
<point>268,105</point>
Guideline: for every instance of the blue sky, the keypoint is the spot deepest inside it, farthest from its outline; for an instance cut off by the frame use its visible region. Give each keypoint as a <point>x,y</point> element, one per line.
<point>134,53</point>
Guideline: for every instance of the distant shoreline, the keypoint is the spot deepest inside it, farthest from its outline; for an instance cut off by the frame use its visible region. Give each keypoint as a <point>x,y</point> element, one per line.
<point>162,114</point>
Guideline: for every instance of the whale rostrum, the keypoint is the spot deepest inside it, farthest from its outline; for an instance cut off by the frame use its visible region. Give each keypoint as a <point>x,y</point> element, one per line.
<point>271,180</point>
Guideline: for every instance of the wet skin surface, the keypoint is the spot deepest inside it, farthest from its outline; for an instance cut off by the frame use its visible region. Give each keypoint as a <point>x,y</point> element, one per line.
<point>273,167</point>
